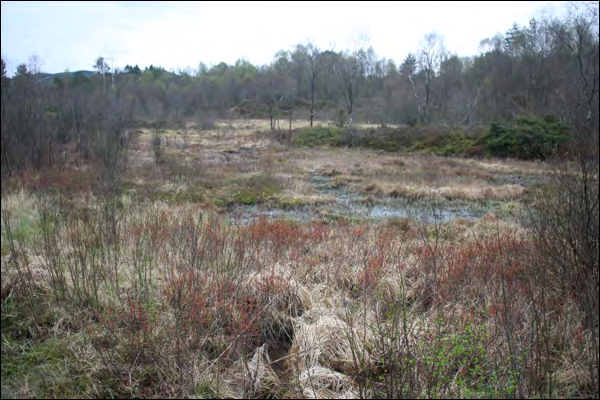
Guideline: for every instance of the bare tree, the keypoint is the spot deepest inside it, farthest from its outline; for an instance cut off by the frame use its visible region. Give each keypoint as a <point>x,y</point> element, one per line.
<point>277,89</point>
<point>102,67</point>
<point>566,217</point>
<point>35,64</point>
<point>350,71</point>
<point>580,37</point>
<point>311,64</point>
<point>430,58</point>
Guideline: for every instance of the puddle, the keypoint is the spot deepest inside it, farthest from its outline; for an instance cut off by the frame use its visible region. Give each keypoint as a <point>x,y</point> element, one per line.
<point>246,214</point>
<point>379,213</point>
<point>349,205</point>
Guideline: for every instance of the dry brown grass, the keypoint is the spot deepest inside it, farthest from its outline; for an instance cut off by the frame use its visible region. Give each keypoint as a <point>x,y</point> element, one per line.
<point>192,304</point>
<point>339,281</point>
<point>208,161</point>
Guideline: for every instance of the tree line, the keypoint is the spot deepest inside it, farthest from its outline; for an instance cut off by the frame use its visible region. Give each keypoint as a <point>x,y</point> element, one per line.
<point>546,68</point>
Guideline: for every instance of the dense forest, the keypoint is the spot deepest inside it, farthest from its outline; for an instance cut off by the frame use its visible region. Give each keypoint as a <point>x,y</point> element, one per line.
<point>548,69</point>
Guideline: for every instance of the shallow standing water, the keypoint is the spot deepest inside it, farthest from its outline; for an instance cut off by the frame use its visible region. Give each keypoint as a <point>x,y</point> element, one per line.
<point>349,205</point>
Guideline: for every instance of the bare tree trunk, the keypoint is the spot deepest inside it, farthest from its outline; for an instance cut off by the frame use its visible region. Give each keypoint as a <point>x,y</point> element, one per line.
<point>271,117</point>
<point>277,114</point>
<point>425,116</point>
<point>471,108</point>
<point>7,161</point>
<point>289,138</point>
<point>312,99</point>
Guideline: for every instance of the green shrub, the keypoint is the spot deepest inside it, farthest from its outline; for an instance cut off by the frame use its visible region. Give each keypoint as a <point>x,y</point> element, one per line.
<point>529,137</point>
<point>383,142</point>
<point>441,143</point>
<point>319,136</point>
<point>456,144</point>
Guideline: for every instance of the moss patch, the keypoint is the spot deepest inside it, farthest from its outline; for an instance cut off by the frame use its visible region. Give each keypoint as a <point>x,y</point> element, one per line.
<point>43,370</point>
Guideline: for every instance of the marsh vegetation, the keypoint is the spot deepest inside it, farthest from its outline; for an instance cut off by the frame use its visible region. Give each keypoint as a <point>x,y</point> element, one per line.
<point>158,242</point>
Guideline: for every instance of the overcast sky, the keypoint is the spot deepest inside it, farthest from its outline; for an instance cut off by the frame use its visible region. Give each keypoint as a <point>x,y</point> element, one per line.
<point>180,34</point>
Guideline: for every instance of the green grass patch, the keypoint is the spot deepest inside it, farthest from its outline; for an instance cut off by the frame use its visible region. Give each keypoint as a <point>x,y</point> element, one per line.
<point>289,203</point>
<point>35,364</point>
<point>254,189</point>
<point>47,369</point>
<point>25,227</point>
<point>5,250</point>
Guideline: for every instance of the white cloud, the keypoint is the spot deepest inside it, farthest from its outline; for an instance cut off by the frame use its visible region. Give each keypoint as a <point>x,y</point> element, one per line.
<point>178,34</point>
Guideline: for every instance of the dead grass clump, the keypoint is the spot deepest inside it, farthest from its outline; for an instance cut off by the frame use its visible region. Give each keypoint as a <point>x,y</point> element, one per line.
<point>320,338</point>
<point>369,200</point>
<point>373,188</point>
<point>397,162</point>
<point>402,226</point>
<point>344,180</point>
<point>331,172</point>
<point>318,382</point>
<point>407,192</point>
<point>480,193</point>
<point>262,380</point>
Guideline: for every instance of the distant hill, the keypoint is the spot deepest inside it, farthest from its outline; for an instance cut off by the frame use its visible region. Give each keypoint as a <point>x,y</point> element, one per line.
<point>45,77</point>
